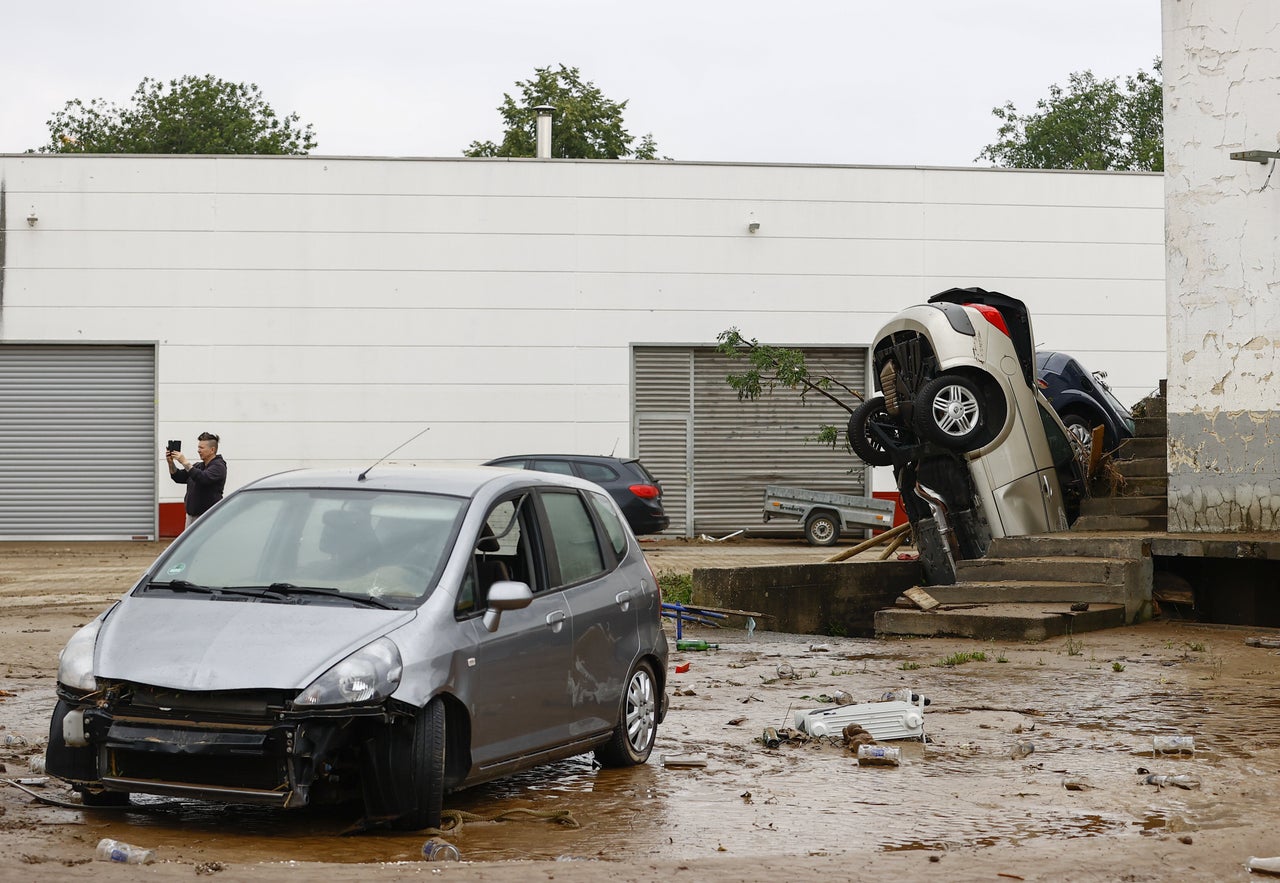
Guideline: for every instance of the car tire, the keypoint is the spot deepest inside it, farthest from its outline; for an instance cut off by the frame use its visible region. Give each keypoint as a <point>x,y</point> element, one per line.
<point>822,529</point>
<point>951,411</point>
<point>423,797</point>
<point>1081,429</point>
<point>633,738</point>
<point>863,445</point>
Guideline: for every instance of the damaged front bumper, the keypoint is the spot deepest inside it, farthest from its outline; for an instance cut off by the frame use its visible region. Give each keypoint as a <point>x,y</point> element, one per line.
<point>235,747</point>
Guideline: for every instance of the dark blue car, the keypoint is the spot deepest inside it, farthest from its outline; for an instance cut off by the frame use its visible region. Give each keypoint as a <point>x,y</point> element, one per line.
<point>1082,399</point>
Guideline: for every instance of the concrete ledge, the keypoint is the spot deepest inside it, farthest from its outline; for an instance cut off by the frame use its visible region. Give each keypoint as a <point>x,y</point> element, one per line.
<point>809,599</point>
<point>1001,622</point>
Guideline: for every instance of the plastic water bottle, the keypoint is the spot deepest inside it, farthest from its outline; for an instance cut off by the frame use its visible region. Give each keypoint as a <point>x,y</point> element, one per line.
<point>1173,745</point>
<point>842,697</point>
<point>125,853</point>
<point>37,764</point>
<point>436,850</point>
<point>879,755</point>
<point>14,739</point>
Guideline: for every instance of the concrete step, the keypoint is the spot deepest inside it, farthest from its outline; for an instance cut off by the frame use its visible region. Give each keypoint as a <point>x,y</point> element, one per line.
<point>1125,506</point>
<point>1066,545</point>
<point>1145,467</point>
<point>999,622</point>
<point>1138,448</point>
<point>1154,407</point>
<point>1105,571</point>
<point>1151,427</point>
<point>1144,486</point>
<point>1028,591</point>
<point>1121,522</point>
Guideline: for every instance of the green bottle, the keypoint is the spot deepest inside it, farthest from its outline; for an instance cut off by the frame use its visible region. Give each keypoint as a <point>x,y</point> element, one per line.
<point>696,645</point>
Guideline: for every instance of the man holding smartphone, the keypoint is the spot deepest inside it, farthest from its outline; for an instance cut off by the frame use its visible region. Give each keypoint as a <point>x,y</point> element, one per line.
<point>204,480</point>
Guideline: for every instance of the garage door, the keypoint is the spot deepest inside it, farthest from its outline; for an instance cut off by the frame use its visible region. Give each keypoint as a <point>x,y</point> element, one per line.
<point>718,466</point>
<point>77,442</point>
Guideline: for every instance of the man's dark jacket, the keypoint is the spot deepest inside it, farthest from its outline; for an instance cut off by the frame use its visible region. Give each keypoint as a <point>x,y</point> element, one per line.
<point>204,482</point>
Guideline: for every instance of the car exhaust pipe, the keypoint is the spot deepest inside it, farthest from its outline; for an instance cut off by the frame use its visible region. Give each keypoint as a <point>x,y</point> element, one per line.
<point>939,509</point>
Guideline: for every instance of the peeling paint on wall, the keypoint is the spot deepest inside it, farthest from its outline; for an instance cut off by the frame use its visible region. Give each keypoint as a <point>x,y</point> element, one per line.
<point>1222,266</point>
<point>1224,471</point>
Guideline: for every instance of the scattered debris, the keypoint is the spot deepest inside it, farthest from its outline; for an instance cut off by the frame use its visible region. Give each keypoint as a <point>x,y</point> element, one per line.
<point>206,868</point>
<point>1172,745</point>
<point>1264,865</point>
<point>1076,783</point>
<point>879,755</point>
<point>1269,643</point>
<point>921,598</point>
<point>737,721</point>
<point>1021,750</point>
<point>684,761</point>
<point>710,539</point>
<point>1188,782</point>
<point>682,667</point>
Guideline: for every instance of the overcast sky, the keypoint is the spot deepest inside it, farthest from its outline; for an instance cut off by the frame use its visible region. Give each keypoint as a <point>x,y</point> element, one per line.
<point>808,81</point>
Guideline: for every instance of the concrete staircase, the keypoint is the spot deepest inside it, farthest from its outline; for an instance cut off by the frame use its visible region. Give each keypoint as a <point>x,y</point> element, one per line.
<point>1026,587</point>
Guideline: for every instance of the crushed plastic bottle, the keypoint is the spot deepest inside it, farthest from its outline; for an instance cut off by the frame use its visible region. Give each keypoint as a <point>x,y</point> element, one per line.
<point>1021,750</point>
<point>37,764</point>
<point>842,697</point>
<point>15,739</point>
<point>436,850</point>
<point>124,853</point>
<point>785,670</point>
<point>1187,782</point>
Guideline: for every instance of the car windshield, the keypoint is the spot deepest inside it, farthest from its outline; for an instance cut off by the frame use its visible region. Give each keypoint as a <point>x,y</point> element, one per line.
<point>362,546</point>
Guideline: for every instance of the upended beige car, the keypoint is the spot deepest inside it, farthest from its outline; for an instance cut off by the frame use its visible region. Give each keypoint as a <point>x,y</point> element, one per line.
<point>976,449</point>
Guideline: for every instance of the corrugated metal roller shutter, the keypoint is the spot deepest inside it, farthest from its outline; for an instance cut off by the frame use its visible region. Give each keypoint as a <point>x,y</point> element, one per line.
<point>741,446</point>
<point>663,413</point>
<point>77,442</point>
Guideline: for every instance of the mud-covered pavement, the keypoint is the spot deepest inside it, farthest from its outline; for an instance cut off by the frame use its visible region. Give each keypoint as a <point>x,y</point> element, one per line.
<point>960,806</point>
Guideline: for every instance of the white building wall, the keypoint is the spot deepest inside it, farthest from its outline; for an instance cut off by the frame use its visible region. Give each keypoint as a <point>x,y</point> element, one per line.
<point>1221,70</point>
<point>319,310</point>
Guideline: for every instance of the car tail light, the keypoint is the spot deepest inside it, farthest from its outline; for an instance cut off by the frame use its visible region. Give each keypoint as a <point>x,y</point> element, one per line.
<point>645,491</point>
<point>992,315</point>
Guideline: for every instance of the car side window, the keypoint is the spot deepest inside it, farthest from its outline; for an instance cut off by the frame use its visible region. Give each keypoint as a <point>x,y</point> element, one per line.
<point>596,472</point>
<point>502,551</point>
<point>573,537</point>
<point>1059,447</point>
<point>612,524</point>
<point>560,467</point>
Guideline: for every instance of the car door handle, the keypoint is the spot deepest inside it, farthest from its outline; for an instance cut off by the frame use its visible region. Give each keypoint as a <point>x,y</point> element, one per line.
<point>1044,483</point>
<point>623,600</point>
<point>556,619</point>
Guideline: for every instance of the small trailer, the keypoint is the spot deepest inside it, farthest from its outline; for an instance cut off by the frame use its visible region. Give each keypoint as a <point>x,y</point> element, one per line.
<point>825,514</point>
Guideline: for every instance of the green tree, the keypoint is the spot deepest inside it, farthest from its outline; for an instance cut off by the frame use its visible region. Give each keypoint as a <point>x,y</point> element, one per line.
<point>586,124</point>
<point>1092,124</point>
<point>188,115</point>
<point>769,367</point>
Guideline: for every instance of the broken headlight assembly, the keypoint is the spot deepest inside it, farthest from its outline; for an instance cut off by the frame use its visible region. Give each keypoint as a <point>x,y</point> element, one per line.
<point>368,675</point>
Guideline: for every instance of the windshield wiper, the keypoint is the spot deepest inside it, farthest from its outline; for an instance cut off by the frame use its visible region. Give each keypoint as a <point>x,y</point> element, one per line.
<point>182,585</point>
<point>280,591</point>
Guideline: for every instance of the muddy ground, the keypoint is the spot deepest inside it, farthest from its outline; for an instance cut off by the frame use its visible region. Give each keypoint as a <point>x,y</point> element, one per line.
<point>959,807</point>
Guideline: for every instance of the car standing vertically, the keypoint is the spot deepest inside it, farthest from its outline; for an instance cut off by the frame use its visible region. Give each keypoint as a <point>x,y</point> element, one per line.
<point>631,485</point>
<point>976,449</point>
<point>388,636</point>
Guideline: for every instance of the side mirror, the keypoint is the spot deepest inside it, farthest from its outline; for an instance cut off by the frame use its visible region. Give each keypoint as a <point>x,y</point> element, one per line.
<point>505,595</point>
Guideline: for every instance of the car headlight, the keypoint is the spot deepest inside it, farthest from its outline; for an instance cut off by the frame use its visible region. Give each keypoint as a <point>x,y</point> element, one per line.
<point>75,662</point>
<point>370,674</point>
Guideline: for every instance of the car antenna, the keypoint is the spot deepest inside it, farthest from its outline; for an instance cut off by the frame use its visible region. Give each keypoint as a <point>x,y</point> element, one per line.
<point>615,447</point>
<point>362,475</point>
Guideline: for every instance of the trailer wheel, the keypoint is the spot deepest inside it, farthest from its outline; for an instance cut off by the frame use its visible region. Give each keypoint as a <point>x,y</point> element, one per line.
<point>821,529</point>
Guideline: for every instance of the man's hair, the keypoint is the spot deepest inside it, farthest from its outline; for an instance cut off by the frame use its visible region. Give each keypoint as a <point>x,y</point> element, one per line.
<point>209,437</point>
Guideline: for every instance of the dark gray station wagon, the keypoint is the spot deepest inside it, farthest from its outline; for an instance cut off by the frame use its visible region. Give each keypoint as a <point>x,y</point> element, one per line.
<point>323,636</point>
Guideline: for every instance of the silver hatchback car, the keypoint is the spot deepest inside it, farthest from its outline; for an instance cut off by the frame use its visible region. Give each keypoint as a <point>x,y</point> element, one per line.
<point>323,636</point>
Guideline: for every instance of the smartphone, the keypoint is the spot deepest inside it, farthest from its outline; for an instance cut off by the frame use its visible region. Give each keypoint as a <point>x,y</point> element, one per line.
<point>175,444</point>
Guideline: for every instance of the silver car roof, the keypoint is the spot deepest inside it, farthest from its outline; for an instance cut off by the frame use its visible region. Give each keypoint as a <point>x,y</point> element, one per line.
<point>460,481</point>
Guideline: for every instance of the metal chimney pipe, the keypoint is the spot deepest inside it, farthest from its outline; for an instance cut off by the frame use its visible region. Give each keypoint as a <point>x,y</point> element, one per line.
<point>544,130</point>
